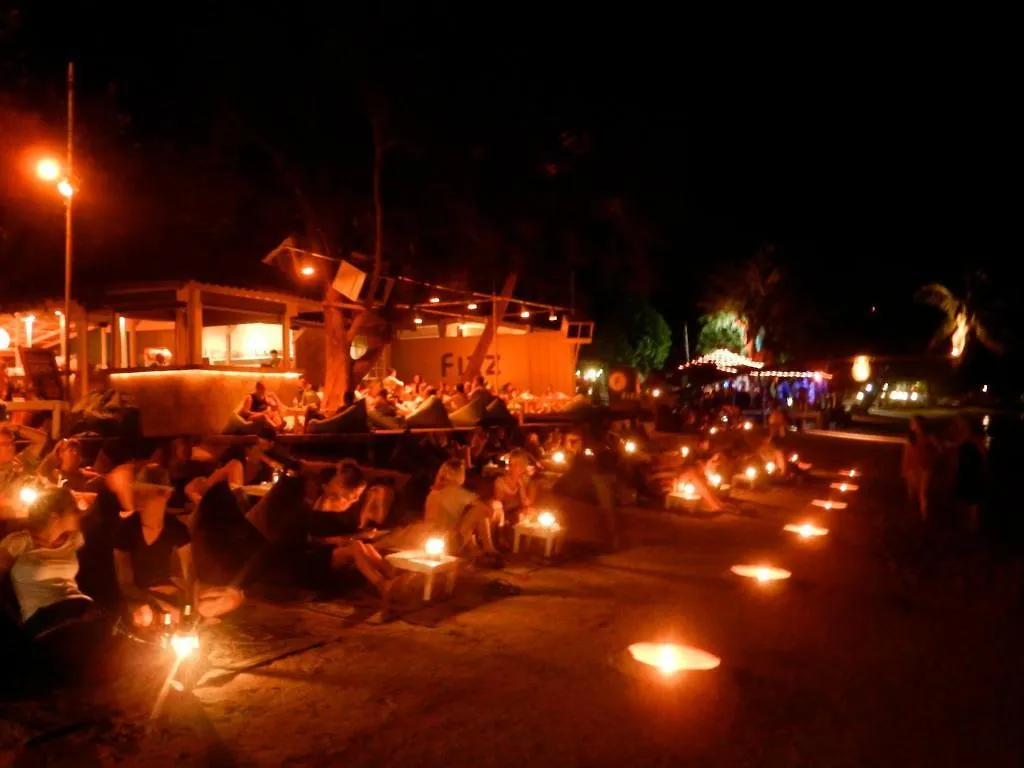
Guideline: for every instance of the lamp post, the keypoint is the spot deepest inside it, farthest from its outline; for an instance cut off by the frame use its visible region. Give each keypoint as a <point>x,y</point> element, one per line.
<point>51,170</point>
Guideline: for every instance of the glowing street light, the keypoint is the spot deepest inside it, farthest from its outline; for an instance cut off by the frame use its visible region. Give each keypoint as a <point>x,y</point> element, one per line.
<point>48,169</point>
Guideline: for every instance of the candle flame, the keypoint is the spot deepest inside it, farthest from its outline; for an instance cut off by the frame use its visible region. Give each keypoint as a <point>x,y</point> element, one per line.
<point>751,473</point>
<point>547,520</point>
<point>685,451</point>
<point>629,446</point>
<point>769,467</point>
<point>184,645</point>
<point>28,495</point>
<point>434,547</point>
<point>558,457</point>
<point>748,426</point>
<point>714,479</point>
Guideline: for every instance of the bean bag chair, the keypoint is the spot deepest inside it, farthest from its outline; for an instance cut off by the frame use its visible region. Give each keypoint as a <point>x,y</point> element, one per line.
<point>431,413</point>
<point>349,421</point>
<point>238,426</point>
<point>471,414</point>
<point>496,411</point>
<point>382,421</point>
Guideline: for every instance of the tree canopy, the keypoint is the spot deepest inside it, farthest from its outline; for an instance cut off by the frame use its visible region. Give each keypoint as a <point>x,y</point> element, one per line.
<point>721,330</point>
<point>639,338</point>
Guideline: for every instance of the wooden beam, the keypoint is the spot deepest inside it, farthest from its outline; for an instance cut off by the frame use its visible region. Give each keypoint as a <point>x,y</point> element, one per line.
<point>499,307</point>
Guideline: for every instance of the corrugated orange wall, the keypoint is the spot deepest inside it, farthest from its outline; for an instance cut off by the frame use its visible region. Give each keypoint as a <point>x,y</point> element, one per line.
<point>532,361</point>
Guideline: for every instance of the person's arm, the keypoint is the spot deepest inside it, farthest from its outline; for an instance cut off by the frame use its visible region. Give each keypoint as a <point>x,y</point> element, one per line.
<point>126,578</point>
<point>188,576</point>
<point>246,410</point>
<point>36,442</point>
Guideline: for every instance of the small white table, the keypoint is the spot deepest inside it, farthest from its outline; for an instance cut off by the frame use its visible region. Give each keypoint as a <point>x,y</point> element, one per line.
<point>418,561</point>
<point>551,535</point>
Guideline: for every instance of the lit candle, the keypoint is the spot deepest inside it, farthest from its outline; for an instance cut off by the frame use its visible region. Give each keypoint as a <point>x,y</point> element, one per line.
<point>547,520</point>
<point>747,426</point>
<point>558,457</point>
<point>751,474</point>
<point>685,451</point>
<point>769,467</point>
<point>629,446</point>
<point>670,658</point>
<point>434,547</point>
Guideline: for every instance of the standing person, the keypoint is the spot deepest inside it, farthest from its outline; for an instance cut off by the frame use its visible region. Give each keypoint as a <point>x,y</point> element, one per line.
<point>919,454</point>
<point>971,472</point>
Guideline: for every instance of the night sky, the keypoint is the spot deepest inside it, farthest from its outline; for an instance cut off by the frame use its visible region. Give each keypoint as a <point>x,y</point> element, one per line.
<point>642,148</point>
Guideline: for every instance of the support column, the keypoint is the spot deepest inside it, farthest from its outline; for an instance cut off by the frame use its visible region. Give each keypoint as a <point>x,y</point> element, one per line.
<point>104,360</point>
<point>133,345</point>
<point>81,323</point>
<point>286,337</point>
<point>195,325</point>
<point>116,340</point>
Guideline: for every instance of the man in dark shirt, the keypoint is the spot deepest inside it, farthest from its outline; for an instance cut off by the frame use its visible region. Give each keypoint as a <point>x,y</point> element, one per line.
<point>153,558</point>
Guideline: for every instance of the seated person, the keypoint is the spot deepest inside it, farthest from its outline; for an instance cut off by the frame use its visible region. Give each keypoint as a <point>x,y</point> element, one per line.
<point>514,490</point>
<point>244,465</point>
<point>769,450</point>
<point>458,398</point>
<point>43,564</point>
<point>262,407</point>
<point>14,463</point>
<point>147,545</point>
<point>459,513</point>
<point>63,466</point>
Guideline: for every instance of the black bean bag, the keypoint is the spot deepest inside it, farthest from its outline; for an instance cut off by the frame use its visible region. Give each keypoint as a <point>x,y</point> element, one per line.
<point>474,411</point>
<point>349,421</point>
<point>431,413</point>
<point>379,420</point>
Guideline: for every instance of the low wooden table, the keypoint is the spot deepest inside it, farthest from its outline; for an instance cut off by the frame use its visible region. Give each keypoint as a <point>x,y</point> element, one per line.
<point>553,536</point>
<point>418,561</point>
<point>682,501</point>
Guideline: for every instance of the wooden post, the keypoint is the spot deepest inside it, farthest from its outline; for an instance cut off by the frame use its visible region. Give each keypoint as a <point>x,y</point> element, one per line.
<point>117,341</point>
<point>195,325</point>
<point>286,337</point>
<point>133,345</point>
<point>81,319</point>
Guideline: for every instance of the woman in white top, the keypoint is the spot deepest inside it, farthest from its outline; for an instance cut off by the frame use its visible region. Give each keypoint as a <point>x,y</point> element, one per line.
<point>43,564</point>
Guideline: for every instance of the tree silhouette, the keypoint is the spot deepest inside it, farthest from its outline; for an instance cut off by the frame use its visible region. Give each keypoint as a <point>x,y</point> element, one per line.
<point>963,316</point>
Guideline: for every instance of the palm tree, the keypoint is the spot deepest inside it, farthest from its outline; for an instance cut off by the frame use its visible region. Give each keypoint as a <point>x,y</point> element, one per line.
<point>962,319</point>
<point>754,292</point>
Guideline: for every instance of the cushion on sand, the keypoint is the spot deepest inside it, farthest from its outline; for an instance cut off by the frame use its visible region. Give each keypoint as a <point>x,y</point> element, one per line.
<point>431,413</point>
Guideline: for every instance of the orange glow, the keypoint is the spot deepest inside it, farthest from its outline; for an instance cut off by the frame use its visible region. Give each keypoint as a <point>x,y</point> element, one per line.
<point>552,318</point>
<point>547,520</point>
<point>308,270</point>
<point>686,490</point>
<point>684,451</point>
<point>714,479</point>
<point>851,473</point>
<point>794,457</point>
<point>558,457</point>
<point>184,645</point>
<point>751,473</point>
<point>748,426</point>
<point>844,487</point>
<point>770,467</point>
<point>629,446</point>
<point>669,658</point>
<point>48,169</point>
<point>191,373</point>
<point>861,370</point>
<point>761,573</point>
<point>587,452</point>
<point>65,188</point>
<point>471,306</point>
<point>806,530</point>
<point>713,431</point>
<point>418,320</point>
<point>524,314</point>
<point>829,504</point>
<point>435,300</point>
<point>434,547</point>
<point>655,392</point>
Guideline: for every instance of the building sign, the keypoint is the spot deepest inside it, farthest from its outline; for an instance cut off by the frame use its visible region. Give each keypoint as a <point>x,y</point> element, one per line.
<point>449,360</point>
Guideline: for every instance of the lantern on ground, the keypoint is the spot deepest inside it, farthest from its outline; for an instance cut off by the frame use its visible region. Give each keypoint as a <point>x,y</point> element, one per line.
<point>629,446</point>
<point>806,530</point>
<point>558,457</point>
<point>761,573</point>
<point>434,547</point>
<point>184,644</point>
<point>670,658</point>
<point>547,520</point>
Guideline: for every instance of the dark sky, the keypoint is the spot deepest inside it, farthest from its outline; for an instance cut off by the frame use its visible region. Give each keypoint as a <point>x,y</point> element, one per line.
<point>875,155</point>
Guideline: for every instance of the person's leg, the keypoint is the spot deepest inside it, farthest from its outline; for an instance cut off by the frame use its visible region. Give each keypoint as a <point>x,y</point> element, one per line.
<point>376,570</point>
<point>217,601</point>
<point>477,521</point>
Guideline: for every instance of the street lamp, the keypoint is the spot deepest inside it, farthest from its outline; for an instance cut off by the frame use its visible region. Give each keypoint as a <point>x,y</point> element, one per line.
<point>48,169</point>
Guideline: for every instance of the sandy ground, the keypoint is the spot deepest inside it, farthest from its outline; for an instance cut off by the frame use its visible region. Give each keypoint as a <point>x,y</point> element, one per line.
<point>846,664</point>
